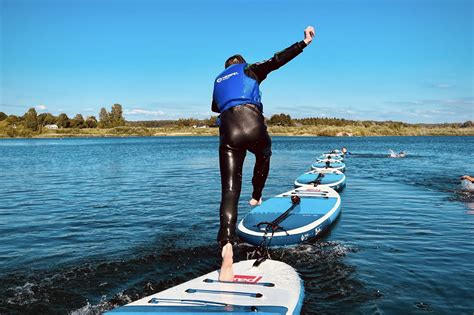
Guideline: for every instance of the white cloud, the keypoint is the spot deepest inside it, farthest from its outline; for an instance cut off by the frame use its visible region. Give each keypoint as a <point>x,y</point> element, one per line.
<point>41,107</point>
<point>145,112</point>
<point>457,109</point>
<point>465,102</point>
<point>347,111</point>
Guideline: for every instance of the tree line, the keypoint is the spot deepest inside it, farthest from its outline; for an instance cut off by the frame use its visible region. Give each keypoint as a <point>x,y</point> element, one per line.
<point>34,122</point>
<point>286,120</point>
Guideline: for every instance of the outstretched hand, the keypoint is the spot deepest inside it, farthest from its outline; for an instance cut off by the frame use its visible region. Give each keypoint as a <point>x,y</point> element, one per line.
<point>309,33</point>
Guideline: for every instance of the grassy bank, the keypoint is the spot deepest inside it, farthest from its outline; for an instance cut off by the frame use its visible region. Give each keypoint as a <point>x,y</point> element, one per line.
<point>349,130</point>
<point>360,131</point>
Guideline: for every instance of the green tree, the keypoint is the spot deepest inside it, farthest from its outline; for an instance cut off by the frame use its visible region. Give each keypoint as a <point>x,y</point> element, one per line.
<point>3,116</point>
<point>187,122</point>
<point>77,121</point>
<point>31,119</point>
<point>104,118</point>
<point>63,121</point>
<point>211,122</point>
<point>46,119</point>
<point>41,118</point>
<point>49,119</point>
<point>281,120</point>
<point>91,122</point>
<point>12,119</point>
<point>116,116</point>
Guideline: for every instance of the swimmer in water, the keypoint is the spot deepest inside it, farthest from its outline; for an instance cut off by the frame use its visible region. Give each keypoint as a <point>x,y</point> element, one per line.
<point>402,154</point>
<point>467,182</point>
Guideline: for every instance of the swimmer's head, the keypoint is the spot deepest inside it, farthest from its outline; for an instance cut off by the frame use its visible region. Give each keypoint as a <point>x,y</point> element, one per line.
<point>235,59</point>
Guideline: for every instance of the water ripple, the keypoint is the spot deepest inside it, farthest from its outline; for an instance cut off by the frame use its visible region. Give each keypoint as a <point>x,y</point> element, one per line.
<point>89,224</point>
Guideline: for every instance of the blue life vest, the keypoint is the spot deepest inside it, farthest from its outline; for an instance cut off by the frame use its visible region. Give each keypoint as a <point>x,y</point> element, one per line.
<point>233,87</point>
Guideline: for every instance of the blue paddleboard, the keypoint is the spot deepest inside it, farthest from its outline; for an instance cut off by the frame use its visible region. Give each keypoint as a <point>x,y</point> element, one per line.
<point>318,207</point>
<point>335,151</point>
<point>328,177</point>
<point>334,165</point>
<point>336,157</point>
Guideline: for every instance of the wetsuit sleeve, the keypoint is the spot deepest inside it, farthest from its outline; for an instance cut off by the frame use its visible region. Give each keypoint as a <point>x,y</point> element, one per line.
<point>262,69</point>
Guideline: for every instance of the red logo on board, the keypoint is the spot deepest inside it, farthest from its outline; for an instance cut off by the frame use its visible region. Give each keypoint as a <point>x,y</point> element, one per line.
<point>248,279</point>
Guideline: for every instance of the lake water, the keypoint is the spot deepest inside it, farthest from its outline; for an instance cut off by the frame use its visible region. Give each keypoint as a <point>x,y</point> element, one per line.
<point>88,224</point>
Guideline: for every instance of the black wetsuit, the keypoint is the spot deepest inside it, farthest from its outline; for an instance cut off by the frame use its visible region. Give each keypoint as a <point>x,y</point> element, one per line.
<point>243,128</point>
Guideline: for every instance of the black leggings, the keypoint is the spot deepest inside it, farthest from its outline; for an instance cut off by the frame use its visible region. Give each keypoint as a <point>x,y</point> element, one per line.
<point>242,128</point>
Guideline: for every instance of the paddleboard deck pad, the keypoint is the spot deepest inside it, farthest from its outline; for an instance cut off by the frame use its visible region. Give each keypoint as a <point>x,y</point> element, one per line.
<point>328,177</point>
<point>271,288</point>
<point>330,160</point>
<point>334,165</point>
<point>317,209</point>
<point>331,156</point>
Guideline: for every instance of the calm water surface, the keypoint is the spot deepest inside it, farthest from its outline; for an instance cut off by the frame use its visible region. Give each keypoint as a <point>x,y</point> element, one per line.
<point>89,224</point>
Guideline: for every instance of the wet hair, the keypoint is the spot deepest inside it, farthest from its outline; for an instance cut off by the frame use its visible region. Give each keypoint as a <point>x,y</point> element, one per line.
<point>232,60</point>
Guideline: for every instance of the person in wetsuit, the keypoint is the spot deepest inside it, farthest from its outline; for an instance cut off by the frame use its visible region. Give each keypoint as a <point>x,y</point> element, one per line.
<point>242,128</point>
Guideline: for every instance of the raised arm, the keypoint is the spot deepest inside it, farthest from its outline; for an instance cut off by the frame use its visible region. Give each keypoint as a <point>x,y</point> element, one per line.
<point>261,69</point>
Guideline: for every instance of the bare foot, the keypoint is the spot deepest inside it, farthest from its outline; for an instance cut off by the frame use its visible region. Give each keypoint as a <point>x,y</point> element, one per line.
<point>227,272</point>
<point>254,202</point>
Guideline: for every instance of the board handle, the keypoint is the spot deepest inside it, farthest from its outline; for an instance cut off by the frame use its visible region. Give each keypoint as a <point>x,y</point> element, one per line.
<point>263,284</point>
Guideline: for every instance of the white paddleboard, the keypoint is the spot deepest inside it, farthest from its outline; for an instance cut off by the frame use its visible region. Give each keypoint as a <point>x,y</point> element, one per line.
<point>271,288</point>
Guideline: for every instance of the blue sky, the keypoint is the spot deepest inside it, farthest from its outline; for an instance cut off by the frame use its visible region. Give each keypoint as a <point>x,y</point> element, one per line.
<point>408,60</point>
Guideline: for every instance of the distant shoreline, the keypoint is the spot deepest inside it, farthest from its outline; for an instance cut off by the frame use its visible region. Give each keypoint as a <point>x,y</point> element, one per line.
<point>113,124</point>
<point>303,131</point>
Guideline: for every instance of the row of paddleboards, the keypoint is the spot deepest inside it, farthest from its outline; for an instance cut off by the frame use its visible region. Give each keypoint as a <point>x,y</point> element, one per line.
<point>283,222</point>
<point>271,287</point>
